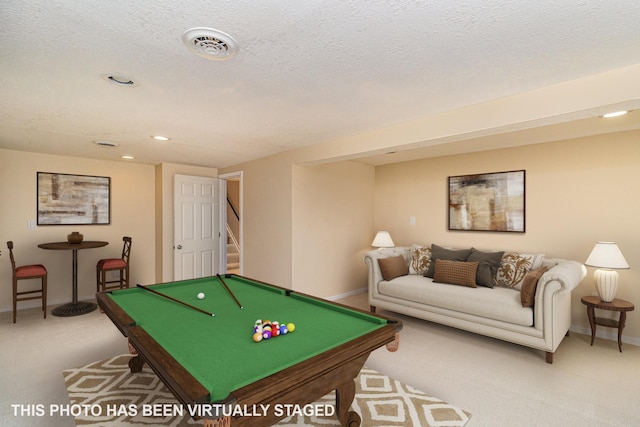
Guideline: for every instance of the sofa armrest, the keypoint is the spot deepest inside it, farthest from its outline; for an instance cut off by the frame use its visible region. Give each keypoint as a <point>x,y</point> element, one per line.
<point>556,285</point>
<point>568,273</point>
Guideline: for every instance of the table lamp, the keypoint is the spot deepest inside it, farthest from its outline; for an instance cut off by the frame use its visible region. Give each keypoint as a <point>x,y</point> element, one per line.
<point>607,257</point>
<point>383,240</point>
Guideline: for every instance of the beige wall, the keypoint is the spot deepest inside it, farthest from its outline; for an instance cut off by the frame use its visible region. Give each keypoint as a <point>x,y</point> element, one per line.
<point>132,214</point>
<point>577,192</point>
<point>266,219</point>
<point>306,227</point>
<point>332,223</point>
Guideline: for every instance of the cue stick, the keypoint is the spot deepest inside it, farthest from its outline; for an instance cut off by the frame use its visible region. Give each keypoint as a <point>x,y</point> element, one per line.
<point>229,290</point>
<point>175,300</point>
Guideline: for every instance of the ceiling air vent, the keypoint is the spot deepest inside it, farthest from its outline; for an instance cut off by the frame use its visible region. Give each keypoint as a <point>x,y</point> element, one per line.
<point>210,43</point>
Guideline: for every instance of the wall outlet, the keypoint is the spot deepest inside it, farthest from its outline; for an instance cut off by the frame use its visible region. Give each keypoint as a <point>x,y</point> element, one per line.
<point>412,220</point>
<point>31,225</point>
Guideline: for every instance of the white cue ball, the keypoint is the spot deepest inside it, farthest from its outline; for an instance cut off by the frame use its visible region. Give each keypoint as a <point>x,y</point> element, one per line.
<point>201,295</point>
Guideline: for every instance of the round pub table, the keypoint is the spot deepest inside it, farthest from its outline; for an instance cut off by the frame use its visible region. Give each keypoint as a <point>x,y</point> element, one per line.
<point>75,307</point>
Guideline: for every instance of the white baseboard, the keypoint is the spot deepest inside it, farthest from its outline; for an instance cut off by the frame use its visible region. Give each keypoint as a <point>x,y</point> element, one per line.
<point>605,334</point>
<point>347,294</point>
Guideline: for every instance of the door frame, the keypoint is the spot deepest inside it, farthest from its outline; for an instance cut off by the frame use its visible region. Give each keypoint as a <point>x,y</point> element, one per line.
<point>223,218</point>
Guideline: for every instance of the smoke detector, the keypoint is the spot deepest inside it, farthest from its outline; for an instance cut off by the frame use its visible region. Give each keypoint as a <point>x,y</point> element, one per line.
<point>209,43</point>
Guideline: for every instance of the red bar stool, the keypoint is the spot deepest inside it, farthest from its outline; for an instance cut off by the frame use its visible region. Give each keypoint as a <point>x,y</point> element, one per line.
<point>114,264</point>
<point>24,272</point>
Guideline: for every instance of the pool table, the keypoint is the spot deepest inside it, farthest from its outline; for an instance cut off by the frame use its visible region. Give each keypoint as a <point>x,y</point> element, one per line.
<point>203,349</point>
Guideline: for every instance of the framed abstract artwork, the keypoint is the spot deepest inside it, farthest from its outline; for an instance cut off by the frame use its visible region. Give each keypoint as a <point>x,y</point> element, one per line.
<point>64,199</point>
<point>488,202</point>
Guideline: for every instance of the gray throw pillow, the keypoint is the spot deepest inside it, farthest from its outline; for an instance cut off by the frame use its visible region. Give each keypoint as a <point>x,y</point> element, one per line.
<point>438,252</point>
<point>488,264</point>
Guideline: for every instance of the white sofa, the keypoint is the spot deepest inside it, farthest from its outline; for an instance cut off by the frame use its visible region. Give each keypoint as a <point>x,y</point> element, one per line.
<point>496,312</point>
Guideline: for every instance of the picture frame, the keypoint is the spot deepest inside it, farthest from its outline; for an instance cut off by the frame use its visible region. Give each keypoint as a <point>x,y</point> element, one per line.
<point>488,202</point>
<point>65,199</point>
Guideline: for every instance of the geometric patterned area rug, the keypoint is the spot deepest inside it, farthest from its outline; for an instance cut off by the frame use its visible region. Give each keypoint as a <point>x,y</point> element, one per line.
<point>105,393</point>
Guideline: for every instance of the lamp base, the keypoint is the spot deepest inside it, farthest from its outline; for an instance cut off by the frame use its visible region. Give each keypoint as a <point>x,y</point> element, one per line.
<point>606,283</point>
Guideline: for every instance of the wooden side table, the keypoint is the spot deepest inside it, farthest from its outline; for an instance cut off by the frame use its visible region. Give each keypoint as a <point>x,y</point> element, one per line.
<point>618,305</point>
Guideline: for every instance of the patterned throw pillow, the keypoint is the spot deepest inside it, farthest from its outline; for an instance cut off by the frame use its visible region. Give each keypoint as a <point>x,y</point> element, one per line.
<point>455,272</point>
<point>420,259</point>
<point>529,285</point>
<point>514,267</point>
<point>393,267</point>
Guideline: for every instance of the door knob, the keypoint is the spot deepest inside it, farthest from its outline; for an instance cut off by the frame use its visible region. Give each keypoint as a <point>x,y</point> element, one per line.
<point>179,247</point>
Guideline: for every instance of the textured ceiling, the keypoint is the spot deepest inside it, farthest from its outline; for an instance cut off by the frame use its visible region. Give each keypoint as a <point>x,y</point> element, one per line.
<point>307,72</point>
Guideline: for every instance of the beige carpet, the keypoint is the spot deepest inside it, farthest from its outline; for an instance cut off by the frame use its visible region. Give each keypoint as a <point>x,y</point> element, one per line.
<point>105,393</point>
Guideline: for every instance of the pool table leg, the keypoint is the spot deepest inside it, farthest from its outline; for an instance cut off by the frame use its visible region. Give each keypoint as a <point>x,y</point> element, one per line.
<point>136,362</point>
<point>220,422</point>
<point>393,345</point>
<point>345,393</point>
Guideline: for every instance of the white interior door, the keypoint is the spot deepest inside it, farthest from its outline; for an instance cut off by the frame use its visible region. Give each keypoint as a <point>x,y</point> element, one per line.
<point>196,227</point>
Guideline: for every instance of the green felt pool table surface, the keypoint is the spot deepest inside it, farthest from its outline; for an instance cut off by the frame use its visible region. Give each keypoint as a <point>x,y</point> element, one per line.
<point>219,350</point>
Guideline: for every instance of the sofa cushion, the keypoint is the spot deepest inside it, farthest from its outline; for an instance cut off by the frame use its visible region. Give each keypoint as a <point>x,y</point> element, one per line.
<point>420,259</point>
<point>393,267</point>
<point>514,267</point>
<point>498,304</point>
<point>455,272</point>
<point>438,252</point>
<point>529,285</point>
<point>488,263</point>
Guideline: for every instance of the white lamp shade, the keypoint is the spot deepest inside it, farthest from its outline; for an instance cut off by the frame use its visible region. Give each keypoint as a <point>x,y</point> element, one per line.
<point>606,255</point>
<point>383,240</point>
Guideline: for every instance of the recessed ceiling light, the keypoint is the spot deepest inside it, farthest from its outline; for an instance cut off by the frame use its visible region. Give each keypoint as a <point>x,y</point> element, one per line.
<point>128,157</point>
<point>614,114</point>
<point>160,138</point>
